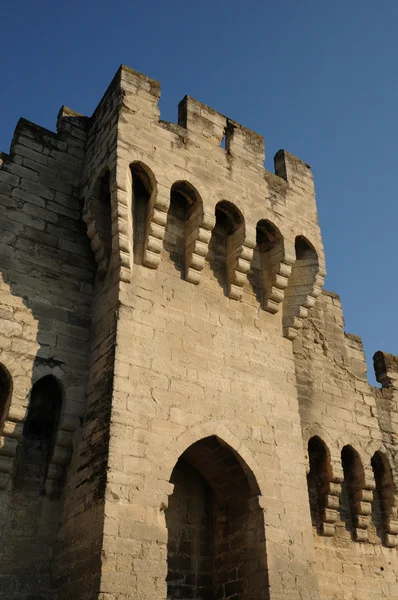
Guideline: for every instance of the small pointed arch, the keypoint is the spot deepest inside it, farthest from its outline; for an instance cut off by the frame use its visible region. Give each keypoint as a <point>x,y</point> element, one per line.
<point>98,218</point>
<point>302,288</point>
<point>5,393</point>
<point>383,505</point>
<point>142,183</point>
<point>226,242</point>
<point>304,249</point>
<point>265,264</point>
<point>212,512</point>
<point>318,479</point>
<point>352,488</point>
<point>184,217</point>
<point>39,431</point>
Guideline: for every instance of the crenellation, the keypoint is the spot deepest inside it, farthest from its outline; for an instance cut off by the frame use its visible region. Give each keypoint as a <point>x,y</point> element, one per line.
<point>366,423</point>
<point>202,120</point>
<point>171,370</point>
<point>386,369</point>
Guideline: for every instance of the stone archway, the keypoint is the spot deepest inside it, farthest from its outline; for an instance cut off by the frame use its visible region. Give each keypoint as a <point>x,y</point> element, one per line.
<point>216,538</point>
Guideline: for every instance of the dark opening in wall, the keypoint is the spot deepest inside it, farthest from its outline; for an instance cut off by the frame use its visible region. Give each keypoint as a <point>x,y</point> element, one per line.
<point>262,267</point>
<point>304,249</point>
<point>301,281</point>
<point>190,543</point>
<point>351,489</point>
<point>183,219</point>
<point>5,394</point>
<point>383,497</point>
<point>216,539</point>
<point>102,212</point>
<point>143,188</point>
<point>225,242</point>
<point>39,432</point>
<point>318,478</point>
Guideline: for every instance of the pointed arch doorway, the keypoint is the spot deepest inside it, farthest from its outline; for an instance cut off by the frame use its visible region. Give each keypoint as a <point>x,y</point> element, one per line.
<point>216,538</point>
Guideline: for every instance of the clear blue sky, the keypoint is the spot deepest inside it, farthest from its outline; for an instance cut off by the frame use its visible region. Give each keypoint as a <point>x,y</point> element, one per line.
<point>317,78</point>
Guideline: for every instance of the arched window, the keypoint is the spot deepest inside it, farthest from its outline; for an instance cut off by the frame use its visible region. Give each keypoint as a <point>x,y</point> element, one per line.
<point>351,492</point>
<point>216,538</point>
<point>266,258</point>
<point>226,242</point>
<point>39,431</point>
<point>383,496</point>
<point>304,250</point>
<point>318,478</point>
<point>301,281</point>
<point>183,220</point>
<point>143,188</point>
<point>5,393</point>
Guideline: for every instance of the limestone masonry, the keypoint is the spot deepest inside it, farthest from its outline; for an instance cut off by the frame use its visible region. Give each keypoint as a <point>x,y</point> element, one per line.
<point>182,413</point>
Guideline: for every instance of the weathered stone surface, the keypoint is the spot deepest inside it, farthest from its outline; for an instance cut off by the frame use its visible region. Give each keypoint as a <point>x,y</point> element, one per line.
<point>163,394</point>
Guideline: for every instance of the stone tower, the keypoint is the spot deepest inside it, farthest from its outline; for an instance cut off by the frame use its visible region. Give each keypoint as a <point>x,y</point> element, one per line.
<point>182,414</point>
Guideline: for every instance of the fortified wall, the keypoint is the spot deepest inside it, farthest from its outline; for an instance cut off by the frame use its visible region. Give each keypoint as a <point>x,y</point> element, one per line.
<point>182,413</point>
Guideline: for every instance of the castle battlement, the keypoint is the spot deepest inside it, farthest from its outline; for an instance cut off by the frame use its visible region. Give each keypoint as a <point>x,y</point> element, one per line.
<point>181,411</point>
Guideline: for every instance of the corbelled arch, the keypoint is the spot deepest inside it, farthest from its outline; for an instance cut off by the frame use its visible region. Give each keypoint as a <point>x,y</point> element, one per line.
<point>384,504</point>
<point>98,218</point>
<point>174,175</point>
<point>13,416</point>
<point>147,225</point>
<point>270,267</point>
<point>324,488</point>
<point>216,532</point>
<point>159,205</point>
<point>198,226</point>
<point>313,430</point>
<point>230,249</point>
<point>304,286</point>
<point>67,423</point>
<point>237,200</point>
<point>347,440</point>
<point>300,230</point>
<point>142,204</point>
<point>186,241</point>
<point>356,494</point>
<point>374,446</point>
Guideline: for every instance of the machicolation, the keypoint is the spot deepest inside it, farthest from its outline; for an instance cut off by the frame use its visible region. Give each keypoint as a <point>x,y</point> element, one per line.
<point>182,414</point>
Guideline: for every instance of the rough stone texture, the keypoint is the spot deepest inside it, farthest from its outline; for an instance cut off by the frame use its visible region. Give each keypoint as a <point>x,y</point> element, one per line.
<point>358,560</point>
<point>164,392</point>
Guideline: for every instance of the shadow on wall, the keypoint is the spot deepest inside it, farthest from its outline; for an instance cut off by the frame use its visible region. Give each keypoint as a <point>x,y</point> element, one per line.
<point>46,277</point>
